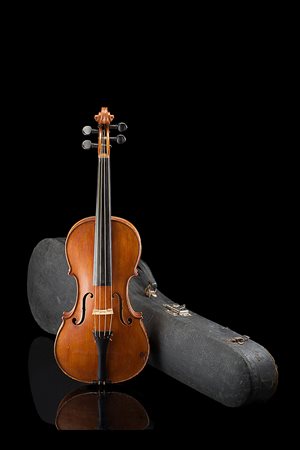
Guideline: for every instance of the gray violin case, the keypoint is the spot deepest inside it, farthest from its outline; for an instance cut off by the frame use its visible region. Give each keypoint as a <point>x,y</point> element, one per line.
<point>216,361</point>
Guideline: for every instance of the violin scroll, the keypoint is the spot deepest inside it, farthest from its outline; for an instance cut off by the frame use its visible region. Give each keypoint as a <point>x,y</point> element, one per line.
<point>104,117</point>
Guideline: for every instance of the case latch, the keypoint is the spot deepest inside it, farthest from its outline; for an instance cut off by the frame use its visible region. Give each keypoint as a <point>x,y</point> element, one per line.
<point>239,340</point>
<point>150,290</point>
<point>177,310</point>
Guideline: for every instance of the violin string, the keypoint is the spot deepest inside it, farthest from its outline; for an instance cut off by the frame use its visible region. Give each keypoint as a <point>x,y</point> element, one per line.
<point>110,248</point>
<point>96,307</point>
<point>96,238</point>
<point>105,239</point>
<point>100,242</point>
<point>94,318</point>
<point>95,242</point>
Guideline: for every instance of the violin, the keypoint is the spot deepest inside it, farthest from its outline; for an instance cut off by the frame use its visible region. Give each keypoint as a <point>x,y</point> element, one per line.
<point>102,339</point>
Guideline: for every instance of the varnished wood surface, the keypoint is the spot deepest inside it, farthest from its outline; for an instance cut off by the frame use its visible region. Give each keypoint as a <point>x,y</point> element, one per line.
<point>104,117</point>
<point>75,347</point>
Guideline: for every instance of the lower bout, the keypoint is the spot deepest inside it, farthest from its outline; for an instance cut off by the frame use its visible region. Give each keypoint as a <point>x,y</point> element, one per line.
<point>125,356</point>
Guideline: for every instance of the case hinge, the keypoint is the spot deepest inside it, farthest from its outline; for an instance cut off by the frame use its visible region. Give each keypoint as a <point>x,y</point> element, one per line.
<point>177,310</point>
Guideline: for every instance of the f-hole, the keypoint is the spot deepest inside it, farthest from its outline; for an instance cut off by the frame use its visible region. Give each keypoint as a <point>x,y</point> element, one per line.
<point>74,320</point>
<point>129,319</point>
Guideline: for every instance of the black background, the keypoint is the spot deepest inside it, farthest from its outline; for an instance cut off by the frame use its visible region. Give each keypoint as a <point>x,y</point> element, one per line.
<point>200,177</point>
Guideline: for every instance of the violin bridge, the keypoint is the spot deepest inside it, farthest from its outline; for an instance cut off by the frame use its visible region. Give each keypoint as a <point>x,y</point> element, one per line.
<point>102,312</point>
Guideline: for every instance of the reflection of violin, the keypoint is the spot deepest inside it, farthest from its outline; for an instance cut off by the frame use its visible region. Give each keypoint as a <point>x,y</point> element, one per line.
<point>86,409</point>
<point>102,339</point>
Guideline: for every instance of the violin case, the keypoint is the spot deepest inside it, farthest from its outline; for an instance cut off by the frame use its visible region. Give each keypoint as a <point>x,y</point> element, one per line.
<point>216,361</point>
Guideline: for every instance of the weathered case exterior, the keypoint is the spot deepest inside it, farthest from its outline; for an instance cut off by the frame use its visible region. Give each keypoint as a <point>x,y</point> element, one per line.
<point>206,356</point>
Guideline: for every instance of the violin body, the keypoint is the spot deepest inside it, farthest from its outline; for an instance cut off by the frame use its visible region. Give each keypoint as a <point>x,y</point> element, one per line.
<point>76,350</point>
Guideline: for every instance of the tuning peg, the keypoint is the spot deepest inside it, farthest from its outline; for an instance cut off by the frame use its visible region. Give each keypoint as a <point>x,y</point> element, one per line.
<point>87,145</point>
<point>89,130</point>
<point>120,127</point>
<point>120,139</point>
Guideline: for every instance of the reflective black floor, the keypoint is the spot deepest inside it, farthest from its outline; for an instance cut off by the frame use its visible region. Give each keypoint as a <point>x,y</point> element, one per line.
<point>69,405</point>
<point>150,402</point>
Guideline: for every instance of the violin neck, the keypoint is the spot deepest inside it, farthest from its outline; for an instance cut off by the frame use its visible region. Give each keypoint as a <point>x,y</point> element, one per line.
<point>102,275</point>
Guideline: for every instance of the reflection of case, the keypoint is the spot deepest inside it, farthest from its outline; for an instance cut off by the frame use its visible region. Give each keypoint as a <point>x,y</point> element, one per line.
<point>212,359</point>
